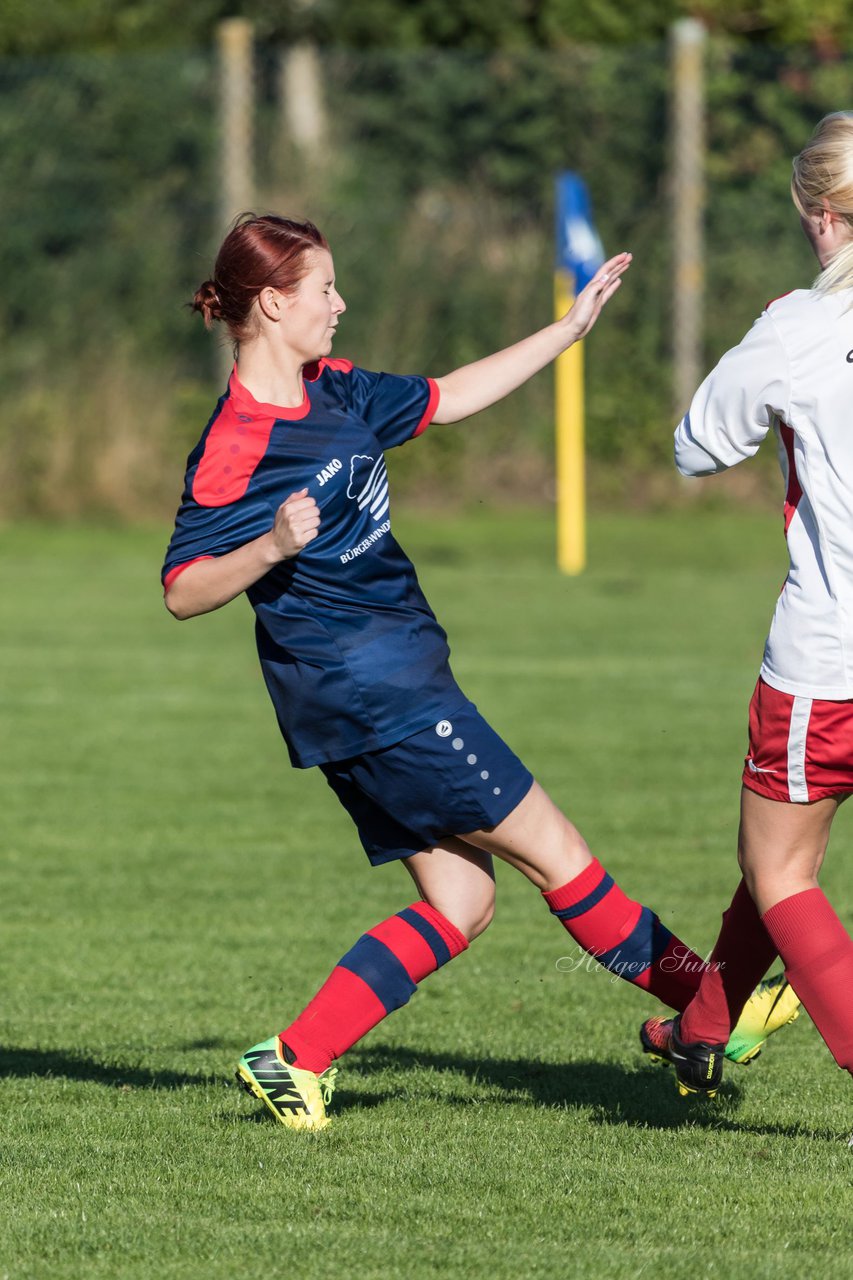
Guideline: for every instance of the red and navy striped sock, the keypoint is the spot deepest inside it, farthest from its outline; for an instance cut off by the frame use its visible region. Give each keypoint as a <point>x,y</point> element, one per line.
<point>818,954</point>
<point>379,974</point>
<point>626,937</point>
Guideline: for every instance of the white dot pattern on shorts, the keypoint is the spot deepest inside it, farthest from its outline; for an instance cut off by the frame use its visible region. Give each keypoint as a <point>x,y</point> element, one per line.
<point>444,729</point>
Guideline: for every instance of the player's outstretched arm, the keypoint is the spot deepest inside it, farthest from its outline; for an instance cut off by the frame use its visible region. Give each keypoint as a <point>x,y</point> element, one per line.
<point>476,386</point>
<point>208,584</point>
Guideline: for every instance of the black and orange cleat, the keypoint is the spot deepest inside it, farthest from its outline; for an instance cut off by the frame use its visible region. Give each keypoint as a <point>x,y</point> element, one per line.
<point>698,1067</point>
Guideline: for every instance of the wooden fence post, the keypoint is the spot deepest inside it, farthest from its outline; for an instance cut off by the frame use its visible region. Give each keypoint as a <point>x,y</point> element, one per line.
<point>237,109</point>
<point>688,197</point>
<point>302,99</point>
<point>237,112</point>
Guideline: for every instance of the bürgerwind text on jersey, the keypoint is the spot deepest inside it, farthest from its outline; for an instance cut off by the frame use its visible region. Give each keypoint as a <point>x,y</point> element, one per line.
<point>366,543</point>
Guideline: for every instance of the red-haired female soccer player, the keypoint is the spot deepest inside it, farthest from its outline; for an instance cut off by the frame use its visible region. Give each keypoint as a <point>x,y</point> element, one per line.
<point>286,498</point>
<point>792,374</point>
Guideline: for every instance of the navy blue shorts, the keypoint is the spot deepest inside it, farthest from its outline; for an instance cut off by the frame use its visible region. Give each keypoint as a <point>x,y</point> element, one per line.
<point>455,777</point>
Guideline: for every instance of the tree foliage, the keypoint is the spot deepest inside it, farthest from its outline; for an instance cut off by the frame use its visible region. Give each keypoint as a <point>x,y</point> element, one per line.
<point>55,26</point>
<point>447,124</point>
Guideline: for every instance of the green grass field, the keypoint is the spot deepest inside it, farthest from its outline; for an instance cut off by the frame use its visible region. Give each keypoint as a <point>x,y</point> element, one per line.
<point>172,892</point>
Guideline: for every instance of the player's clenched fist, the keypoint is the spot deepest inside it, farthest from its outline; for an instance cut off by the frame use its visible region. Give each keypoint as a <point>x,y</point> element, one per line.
<point>296,523</point>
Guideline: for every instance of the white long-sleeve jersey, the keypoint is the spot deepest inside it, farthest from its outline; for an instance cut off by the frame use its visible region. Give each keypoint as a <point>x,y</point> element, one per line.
<point>793,374</point>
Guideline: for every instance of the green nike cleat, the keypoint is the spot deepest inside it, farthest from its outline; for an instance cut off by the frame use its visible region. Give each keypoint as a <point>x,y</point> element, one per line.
<point>773,1004</point>
<point>296,1098</point>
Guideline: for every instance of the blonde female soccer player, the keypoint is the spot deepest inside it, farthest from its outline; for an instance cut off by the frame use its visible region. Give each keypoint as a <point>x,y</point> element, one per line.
<point>286,498</point>
<point>793,375</point>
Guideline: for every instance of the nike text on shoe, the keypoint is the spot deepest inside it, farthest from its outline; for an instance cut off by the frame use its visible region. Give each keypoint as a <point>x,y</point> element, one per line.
<point>698,1067</point>
<point>296,1098</point>
<point>773,1004</point>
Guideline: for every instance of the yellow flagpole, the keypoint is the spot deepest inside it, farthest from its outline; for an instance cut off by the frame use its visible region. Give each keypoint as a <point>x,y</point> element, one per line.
<point>571,486</point>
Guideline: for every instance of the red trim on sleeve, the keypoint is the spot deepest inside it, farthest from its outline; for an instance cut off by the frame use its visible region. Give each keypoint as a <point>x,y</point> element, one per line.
<point>429,411</point>
<point>178,570</point>
<point>769,304</point>
<point>795,492</point>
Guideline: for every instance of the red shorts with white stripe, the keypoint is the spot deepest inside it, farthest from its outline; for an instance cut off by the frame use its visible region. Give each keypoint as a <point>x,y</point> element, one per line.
<point>800,749</point>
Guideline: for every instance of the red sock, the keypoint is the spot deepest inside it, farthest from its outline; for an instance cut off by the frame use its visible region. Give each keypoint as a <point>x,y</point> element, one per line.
<point>376,976</point>
<point>742,955</point>
<point>625,936</point>
<point>818,955</point>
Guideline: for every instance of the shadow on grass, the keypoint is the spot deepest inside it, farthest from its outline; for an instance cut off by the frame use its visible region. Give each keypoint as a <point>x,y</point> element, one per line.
<point>644,1098</point>
<point>615,1095</point>
<point>61,1064</point>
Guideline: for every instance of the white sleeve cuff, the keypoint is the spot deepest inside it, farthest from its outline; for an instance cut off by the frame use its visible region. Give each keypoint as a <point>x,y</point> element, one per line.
<point>692,458</point>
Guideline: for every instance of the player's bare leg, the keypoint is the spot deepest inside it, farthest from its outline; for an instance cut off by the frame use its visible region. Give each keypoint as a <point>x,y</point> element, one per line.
<point>781,846</point>
<point>539,840</point>
<point>459,881</point>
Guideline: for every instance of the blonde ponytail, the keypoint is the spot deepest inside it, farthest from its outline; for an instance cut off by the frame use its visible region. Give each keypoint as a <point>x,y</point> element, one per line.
<point>823,176</point>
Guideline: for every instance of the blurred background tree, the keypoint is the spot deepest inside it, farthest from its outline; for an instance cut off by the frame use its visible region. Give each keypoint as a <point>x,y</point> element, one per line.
<point>60,26</point>
<point>447,122</point>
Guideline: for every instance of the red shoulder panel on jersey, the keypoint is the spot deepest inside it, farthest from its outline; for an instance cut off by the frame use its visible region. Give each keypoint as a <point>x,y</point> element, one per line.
<point>235,445</point>
<point>769,304</point>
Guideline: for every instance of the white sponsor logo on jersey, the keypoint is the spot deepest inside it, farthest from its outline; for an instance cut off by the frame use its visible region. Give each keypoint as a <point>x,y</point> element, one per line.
<point>366,543</point>
<point>368,484</point>
<point>331,469</point>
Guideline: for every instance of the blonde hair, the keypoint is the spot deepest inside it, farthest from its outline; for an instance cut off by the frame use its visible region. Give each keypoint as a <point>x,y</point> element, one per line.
<point>823,176</point>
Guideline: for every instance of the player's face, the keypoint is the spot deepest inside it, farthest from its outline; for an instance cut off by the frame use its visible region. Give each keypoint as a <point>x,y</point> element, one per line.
<point>312,312</point>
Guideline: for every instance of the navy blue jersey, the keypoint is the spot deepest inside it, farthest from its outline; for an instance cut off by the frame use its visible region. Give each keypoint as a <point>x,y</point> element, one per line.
<point>351,652</point>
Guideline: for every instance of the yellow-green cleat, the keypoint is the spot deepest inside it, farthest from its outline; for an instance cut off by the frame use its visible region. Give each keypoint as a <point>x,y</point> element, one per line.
<point>297,1098</point>
<point>773,1004</point>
